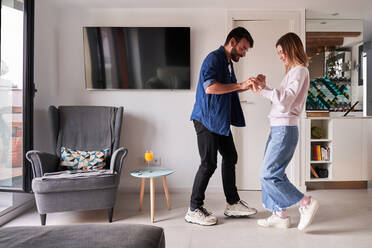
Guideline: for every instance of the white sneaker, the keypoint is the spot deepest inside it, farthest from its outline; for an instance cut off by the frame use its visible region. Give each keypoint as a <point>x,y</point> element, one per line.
<point>200,216</point>
<point>239,209</point>
<point>275,221</point>
<point>307,214</point>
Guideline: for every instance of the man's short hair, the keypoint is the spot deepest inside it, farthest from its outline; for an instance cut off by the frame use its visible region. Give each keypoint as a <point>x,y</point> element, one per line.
<point>239,33</point>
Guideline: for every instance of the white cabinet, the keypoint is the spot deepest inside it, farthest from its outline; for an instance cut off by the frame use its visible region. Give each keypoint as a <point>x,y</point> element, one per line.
<point>347,149</point>
<point>348,143</point>
<point>366,147</point>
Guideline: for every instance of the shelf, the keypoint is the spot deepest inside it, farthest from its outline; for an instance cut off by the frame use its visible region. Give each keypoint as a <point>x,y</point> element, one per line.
<point>320,162</point>
<point>320,140</point>
<point>325,134</point>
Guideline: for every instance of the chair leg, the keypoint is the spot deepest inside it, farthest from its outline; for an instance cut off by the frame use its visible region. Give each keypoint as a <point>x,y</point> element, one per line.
<point>110,214</point>
<point>43,219</point>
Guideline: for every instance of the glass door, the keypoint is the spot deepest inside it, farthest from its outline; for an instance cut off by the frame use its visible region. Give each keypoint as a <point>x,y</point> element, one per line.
<point>16,103</point>
<point>11,94</point>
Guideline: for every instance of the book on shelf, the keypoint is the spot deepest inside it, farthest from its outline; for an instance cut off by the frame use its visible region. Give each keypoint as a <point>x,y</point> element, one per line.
<point>320,153</point>
<point>324,153</point>
<point>314,155</point>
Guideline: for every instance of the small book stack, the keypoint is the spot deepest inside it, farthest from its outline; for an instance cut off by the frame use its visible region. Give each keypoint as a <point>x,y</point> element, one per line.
<point>320,153</point>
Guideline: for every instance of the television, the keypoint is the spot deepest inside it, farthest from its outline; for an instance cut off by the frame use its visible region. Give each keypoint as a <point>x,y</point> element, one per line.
<point>137,57</point>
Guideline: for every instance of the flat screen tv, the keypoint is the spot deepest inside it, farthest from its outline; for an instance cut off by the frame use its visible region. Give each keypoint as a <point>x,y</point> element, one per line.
<point>137,57</point>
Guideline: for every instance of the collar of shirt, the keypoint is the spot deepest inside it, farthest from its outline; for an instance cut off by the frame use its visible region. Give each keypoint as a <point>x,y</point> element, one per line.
<point>221,49</point>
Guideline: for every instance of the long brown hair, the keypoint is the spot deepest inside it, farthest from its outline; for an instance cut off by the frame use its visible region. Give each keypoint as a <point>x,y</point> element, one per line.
<point>294,50</point>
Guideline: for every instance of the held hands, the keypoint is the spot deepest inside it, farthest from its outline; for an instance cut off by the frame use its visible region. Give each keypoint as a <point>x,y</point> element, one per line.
<point>256,84</point>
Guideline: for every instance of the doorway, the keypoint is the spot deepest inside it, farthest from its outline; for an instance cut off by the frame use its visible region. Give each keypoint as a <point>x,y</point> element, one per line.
<point>262,58</point>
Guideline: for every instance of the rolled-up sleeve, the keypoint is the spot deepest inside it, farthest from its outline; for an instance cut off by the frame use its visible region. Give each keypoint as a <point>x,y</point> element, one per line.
<point>210,70</point>
<point>208,83</point>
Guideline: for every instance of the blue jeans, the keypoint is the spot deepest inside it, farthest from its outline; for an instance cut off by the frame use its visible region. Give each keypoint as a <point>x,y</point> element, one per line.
<point>278,193</point>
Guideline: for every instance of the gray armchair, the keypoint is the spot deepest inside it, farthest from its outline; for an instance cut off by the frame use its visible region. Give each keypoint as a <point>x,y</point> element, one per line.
<point>85,128</point>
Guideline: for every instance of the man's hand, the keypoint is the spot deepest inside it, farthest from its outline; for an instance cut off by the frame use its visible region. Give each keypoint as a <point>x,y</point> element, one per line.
<point>246,85</point>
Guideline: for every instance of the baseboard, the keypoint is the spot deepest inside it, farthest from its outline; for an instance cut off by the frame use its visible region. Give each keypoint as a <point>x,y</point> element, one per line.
<point>337,185</point>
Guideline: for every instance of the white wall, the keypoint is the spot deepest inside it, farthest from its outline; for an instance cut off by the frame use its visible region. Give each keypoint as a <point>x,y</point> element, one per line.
<point>45,59</point>
<point>156,119</point>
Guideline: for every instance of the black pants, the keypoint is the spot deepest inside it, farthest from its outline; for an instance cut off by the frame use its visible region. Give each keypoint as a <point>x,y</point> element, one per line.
<point>209,143</point>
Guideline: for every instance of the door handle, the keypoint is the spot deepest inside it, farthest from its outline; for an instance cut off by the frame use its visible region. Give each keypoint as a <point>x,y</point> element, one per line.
<point>246,102</point>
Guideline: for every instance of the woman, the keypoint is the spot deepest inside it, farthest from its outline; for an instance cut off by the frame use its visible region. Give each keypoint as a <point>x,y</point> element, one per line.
<point>278,193</point>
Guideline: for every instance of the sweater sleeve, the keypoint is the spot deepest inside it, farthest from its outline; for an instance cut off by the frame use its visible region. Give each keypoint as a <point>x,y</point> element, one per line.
<point>285,96</point>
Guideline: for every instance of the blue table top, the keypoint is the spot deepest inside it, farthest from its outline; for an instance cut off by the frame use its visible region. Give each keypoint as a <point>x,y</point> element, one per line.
<point>152,171</point>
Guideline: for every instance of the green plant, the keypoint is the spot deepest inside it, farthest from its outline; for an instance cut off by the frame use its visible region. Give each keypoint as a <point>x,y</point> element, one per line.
<point>316,132</point>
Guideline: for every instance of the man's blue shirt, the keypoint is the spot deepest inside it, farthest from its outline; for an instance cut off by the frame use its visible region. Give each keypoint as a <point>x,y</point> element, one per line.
<point>217,112</point>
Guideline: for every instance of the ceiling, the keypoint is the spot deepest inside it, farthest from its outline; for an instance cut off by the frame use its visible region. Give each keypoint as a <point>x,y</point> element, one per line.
<point>355,9</point>
<point>315,9</point>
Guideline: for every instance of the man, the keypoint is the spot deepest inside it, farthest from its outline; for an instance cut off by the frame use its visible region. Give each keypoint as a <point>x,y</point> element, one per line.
<point>217,106</point>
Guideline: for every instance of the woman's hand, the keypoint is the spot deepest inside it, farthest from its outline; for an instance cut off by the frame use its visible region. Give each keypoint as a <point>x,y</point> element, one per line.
<point>261,81</point>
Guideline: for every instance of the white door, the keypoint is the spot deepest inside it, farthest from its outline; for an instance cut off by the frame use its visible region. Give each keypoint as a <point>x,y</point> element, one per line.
<point>262,58</point>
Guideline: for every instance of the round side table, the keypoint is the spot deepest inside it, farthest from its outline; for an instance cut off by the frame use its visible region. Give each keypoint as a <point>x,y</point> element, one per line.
<point>152,172</point>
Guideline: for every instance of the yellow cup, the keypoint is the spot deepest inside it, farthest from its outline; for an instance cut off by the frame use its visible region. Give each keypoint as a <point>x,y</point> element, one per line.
<point>148,156</point>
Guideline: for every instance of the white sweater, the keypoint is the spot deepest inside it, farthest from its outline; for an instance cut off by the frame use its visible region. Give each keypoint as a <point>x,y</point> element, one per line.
<point>289,99</point>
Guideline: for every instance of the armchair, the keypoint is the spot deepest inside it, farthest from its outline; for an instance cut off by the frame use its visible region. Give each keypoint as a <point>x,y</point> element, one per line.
<point>85,128</point>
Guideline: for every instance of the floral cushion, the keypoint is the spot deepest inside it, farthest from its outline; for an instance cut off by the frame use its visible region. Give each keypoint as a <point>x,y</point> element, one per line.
<point>77,160</point>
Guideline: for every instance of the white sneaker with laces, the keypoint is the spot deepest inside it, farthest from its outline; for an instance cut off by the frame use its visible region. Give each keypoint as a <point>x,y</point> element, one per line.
<point>201,216</point>
<point>239,209</point>
<point>275,221</point>
<point>307,214</point>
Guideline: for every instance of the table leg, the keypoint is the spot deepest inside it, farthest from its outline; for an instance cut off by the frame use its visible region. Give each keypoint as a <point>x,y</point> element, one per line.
<point>165,186</point>
<point>152,197</point>
<point>142,191</point>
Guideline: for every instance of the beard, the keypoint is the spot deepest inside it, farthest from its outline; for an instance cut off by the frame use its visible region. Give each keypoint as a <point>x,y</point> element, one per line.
<point>235,56</point>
